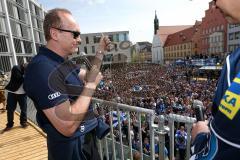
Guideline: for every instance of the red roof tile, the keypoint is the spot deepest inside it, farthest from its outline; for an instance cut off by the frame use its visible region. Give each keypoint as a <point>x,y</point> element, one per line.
<point>180,37</point>
<point>164,31</point>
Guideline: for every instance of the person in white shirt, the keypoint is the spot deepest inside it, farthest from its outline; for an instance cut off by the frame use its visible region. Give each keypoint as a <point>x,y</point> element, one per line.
<point>16,94</point>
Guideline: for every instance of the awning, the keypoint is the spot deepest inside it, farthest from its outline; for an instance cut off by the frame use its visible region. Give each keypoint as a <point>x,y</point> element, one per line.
<point>211,68</point>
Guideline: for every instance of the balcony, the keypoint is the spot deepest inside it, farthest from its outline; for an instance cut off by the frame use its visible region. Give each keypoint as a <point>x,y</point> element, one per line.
<point>111,147</point>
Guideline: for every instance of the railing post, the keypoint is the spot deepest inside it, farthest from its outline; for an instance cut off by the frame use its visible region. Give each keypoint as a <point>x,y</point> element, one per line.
<point>129,135</point>
<point>189,126</point>
<point>120,134</point>
<point>100,148</point>
<point>140,134</point>
<point>162,133</point>
<point>171,137</point>
<point>112,135</point>
<point>152,136</point>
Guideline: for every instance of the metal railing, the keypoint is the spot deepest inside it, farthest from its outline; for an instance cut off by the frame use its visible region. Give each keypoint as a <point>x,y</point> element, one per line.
<point>156,129</point>
<point>110,149</point>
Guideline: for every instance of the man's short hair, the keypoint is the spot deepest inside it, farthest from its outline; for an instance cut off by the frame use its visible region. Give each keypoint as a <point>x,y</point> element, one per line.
<point>52,19</point>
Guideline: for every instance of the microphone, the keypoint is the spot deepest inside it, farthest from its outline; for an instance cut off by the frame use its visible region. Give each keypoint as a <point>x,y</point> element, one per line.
<point>85,60</point>
<point>198,108</point>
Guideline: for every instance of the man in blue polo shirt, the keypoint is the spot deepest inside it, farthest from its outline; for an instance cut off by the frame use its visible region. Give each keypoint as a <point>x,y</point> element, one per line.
<point>220,138</point>
<point>62,92</point>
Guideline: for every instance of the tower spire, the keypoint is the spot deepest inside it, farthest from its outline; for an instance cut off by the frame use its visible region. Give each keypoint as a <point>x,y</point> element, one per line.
<point>156,24</point>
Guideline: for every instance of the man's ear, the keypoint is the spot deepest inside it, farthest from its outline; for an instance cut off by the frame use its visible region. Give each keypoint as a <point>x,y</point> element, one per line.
<point>54,33</point>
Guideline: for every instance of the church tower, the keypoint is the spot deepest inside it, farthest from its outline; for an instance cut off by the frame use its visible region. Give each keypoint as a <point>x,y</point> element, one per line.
<point>157,48</point>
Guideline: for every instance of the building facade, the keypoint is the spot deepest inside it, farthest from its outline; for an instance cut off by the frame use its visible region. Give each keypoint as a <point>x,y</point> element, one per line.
<point>120,48</point>
<point>21,31</point>
<point>208,38</point>
<point>233,37</point>
<point>180,45</point>
<point>142,52</point>
<point>213,36</point>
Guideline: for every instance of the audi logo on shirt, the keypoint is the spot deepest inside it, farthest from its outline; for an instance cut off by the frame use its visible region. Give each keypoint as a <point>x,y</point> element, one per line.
<point>54,95</point>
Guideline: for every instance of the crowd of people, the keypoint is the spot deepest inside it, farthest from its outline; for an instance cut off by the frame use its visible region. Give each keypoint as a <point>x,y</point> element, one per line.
<point>166,89</point>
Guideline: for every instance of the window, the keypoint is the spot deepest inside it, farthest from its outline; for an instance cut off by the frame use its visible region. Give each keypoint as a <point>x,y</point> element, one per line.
<point>2,25</point>
<point>121,37</point>
<point>85,49</point>
<point>33,21</point>
<point>17,44</point>
<point>110,37</point>
<point>5,63</point>
<point>125,37</point>
<point>93,49</point>
<point>231,26</point>
<point>117,37</point>
<point>25,31</point>
<point>32,9</point>
<point>222,27</point>
<point>209,30</point>
<point>39,24</point>
<point>19,31</point>
<point>13,27</point>
<point>3,44</point>
<point>37,46</point>
<point>22,15</point>
<point>237,35</point>
<point>37,10</point>
<point>231,35</point>
<point>41,37</point>
<point>1,8</point>
<point>210,39</point>
<point>96,39</point>
<point>115,47</point>
<point>220,49</point>
<point>20,2</point>
<point>15,12</point>
<point>36,36</point>
<point>10,9</point>
<point>27,46</point>
<point>20,60</point>
<point>107,58</point>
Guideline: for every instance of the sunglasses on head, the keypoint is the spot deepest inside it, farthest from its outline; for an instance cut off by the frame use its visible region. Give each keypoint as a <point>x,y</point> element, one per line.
<point>75,33</point>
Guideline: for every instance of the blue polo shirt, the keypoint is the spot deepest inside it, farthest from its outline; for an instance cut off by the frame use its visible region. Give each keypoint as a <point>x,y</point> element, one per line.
<point>49,81</point>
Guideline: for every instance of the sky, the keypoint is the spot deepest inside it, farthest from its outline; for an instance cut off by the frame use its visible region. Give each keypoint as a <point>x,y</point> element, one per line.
<point>135,16</point>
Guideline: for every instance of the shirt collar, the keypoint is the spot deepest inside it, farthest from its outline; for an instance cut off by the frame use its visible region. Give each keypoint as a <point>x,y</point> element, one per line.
<point>49,53</point>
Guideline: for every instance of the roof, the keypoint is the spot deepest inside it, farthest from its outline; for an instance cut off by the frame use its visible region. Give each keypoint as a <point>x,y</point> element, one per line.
<point>144,43</point>
<point>144,46</point>
<point>164,31</point>
<point>180,37</point>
